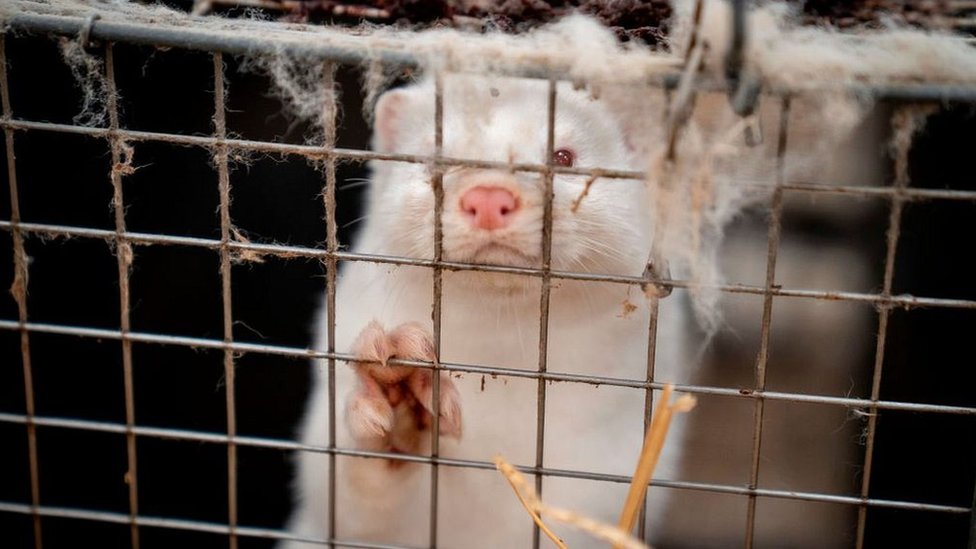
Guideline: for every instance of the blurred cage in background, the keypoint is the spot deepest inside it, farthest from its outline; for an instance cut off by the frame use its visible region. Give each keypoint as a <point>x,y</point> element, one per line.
<point>154,350</point>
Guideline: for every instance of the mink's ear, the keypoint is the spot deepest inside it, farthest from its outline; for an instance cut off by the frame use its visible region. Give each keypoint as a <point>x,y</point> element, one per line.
<point>389,114</point>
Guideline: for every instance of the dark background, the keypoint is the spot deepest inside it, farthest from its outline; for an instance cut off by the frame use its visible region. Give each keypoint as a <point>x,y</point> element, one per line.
<point>63,179</point>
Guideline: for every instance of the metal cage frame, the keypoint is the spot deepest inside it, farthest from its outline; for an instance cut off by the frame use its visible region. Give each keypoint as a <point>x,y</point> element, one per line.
<point>220,145</point>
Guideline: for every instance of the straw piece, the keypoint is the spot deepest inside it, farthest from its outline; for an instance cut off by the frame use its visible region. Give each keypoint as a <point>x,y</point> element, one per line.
<point>526,497</point>
<point>653,444</point>
<point>536,508</point>
<point>618,535</point>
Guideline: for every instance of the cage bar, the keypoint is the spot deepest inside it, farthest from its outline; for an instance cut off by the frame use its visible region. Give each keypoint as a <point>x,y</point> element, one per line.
<point>223,176</point>
<point>905,301</point>
<point>123,252</point>
<point>653,274</point>
<point>762,360</point>
<point>315,152</point>
<point>356,155</point>
<point>653,306</point>
<point>329,112</point>
<point>268,443</point>
<point>19,291</point>
<point>189,38</point>
<point>902,121</point>
<point>199,39</point>
<point>544,296</point>
<point>437,185</point>
<point>329,154</point>
<point>653,303</point>
<point>188,525</point>
<point>260,442</point>
<point>240,347</point>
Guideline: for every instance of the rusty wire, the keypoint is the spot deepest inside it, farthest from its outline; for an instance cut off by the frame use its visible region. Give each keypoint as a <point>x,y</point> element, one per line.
<point>221,146</point>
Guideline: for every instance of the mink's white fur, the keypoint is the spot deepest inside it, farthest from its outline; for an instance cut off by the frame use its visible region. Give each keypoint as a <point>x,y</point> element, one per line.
<point>489,319</point>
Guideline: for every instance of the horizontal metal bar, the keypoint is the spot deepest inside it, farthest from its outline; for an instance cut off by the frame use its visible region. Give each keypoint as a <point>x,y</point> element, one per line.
<point>204,39</point>
<point>308,43</point>
<point>181,524</point>
<point>356,155</point>
<point>296,352</point>
<point>279,444</point>
<point>904,300</point>
<point>907,194</point>
<point>355,50</point>
<point>266,533</point>
<point>311,151</point>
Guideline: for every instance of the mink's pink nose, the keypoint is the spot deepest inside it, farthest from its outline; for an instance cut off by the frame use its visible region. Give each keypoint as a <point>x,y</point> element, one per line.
<point>489,207</point>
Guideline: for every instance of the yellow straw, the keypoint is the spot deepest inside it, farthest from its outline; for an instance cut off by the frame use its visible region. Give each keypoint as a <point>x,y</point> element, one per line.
<point>653,443</point>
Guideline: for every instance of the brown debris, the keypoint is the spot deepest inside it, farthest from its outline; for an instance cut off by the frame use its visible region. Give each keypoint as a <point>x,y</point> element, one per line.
<point>242,255</point>
<point>630,20</point>
<point>583,193</point>
<point>646,22</point>
<point>628,308</point>
<point>875,13</point>
<point>124,165</point>
<point>18,289</point>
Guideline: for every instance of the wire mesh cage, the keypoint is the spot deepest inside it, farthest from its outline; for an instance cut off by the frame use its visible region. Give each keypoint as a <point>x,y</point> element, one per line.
<point>164,251</point>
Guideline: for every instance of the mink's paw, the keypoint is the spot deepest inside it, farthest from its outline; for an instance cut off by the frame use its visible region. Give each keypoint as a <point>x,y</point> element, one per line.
<point>392,404</point>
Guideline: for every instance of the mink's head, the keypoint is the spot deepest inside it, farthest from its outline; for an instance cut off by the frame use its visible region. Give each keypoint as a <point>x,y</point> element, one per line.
<point>493,214</point>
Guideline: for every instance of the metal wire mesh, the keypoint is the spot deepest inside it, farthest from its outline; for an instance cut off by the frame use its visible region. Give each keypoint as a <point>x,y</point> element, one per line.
<point>221,145</point>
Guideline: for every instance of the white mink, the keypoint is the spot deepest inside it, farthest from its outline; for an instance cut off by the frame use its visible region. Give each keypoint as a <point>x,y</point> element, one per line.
<point>489,319</point>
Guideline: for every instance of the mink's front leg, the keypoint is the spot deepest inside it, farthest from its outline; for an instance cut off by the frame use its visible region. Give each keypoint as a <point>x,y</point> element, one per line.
<point>392,404</point>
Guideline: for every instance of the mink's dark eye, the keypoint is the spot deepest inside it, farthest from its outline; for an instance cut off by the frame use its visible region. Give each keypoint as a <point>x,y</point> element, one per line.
<point>564,157</point>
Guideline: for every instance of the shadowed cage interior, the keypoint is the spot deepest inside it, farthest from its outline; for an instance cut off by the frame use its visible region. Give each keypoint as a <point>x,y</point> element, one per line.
<point>165,266</point>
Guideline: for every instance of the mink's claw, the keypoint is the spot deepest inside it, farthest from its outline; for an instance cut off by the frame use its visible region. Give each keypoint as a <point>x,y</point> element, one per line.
<point>393,403</point>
